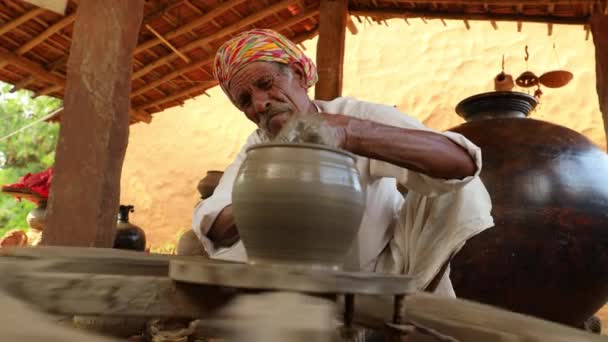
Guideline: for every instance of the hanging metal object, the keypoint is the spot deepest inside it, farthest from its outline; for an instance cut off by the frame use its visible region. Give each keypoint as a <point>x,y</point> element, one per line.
<point>556,78</point>
<point>527,79</point>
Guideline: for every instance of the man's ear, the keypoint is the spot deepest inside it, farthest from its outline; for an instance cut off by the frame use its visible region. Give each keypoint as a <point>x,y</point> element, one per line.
<point>298,71</point>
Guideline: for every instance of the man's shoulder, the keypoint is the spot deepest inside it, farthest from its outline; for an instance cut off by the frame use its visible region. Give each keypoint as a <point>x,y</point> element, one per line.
<point>349,105</point>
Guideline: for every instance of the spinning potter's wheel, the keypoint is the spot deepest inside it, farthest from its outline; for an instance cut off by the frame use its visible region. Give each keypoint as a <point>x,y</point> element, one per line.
<point>290,278</point>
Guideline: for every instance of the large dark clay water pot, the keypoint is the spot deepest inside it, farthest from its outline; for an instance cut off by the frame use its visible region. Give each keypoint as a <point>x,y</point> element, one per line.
<point>298,204</point>
<point>547,255</point>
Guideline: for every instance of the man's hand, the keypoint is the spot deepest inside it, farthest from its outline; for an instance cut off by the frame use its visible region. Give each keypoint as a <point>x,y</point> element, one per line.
<point>314,128</point>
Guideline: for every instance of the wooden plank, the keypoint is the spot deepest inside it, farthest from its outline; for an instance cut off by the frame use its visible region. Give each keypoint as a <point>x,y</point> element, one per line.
<point>599,31</point>
<point>114,295</point>
<point>391,14</point>
<point>20,322</point>
<point>95,125</point>
<point>469,321</point>
<point>241,24</point>
<point>330,48</point>
<point>20,20</point>
<point>51,30</point>
<point>464,320</point>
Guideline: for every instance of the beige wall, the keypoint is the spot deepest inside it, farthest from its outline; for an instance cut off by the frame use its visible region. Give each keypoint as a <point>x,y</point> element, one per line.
<point>424,69</point>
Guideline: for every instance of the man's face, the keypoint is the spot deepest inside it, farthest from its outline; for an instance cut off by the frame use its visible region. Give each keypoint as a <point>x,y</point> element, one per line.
<point>269,94</point>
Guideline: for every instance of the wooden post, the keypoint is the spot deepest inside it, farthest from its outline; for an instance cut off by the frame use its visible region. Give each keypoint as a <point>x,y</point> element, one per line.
<point>599,30</point>
<point>85,190</point>
<point>330,48</point>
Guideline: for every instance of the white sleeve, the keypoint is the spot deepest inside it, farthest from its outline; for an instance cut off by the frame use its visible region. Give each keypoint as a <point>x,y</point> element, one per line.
<point>207,211</point>
<point>415,181</point>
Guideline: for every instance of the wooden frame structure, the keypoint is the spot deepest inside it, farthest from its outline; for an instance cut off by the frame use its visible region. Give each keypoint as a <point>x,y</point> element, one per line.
<point>171,50</point>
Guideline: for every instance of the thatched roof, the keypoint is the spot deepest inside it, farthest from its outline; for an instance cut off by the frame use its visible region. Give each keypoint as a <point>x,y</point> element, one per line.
<point>178,38</point>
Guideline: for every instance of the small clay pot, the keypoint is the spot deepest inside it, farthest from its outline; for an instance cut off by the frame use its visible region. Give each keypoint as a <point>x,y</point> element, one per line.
<point>207,185</point>
<point>503,82</point>
<point>36,218</point>
<point>298,204</point>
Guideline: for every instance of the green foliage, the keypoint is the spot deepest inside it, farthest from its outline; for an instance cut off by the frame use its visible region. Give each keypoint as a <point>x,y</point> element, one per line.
<point>31,150</point>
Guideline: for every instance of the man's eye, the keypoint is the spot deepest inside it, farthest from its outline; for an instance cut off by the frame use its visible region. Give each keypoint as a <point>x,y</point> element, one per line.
<point>265,84</point>
<point>244,101</point>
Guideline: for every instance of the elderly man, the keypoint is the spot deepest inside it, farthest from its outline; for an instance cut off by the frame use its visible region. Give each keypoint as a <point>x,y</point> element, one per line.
<point>267,77</point>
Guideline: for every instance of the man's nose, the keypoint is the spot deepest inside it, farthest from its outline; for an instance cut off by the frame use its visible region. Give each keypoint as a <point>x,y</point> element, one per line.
<point>261,103</point>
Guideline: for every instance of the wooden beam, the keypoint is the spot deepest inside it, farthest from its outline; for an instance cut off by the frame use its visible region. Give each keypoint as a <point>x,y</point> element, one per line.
<point>20,20</point>
<point>504,2</point>
<point>95,128</point>
<point>209,59</point>
<point>241,24</point>
<point>599,31</point>
<point>181,93</point>
<point>31,67</point>
<point>352,28</point>
<point>205,18</point>
<point>115,295</point>
<point>330,48</point>
<point>51,30</point>
<point>29,79</point>
<point>390,14</point>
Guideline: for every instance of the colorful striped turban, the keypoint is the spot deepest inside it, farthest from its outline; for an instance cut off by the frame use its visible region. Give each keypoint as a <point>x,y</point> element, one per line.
<point>258,45</point>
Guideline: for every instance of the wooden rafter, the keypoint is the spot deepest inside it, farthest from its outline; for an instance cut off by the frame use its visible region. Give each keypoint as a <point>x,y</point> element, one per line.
<point>190,26</point>
<point>31,67</point>
<point>20,20</point>
<point>209,59</point>
<point>502,2</point>
<point>51,30</point>
<point>246,21</point>
<point>182,93</point>
<point>391,14</point>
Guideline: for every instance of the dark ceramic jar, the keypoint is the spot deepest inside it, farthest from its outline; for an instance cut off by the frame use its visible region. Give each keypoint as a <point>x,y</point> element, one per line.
<point>128,235</point>
<point>547,255</point>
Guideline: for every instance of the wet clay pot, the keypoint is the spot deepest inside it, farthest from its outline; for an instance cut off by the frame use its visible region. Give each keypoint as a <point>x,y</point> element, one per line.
<point>298,204</point>
<point>207,185</point>
<point>547,255</point>
<point>128,236</point>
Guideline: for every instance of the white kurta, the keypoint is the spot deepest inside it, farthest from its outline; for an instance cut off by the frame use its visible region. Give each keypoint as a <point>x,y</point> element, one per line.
<point>416,236</point>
